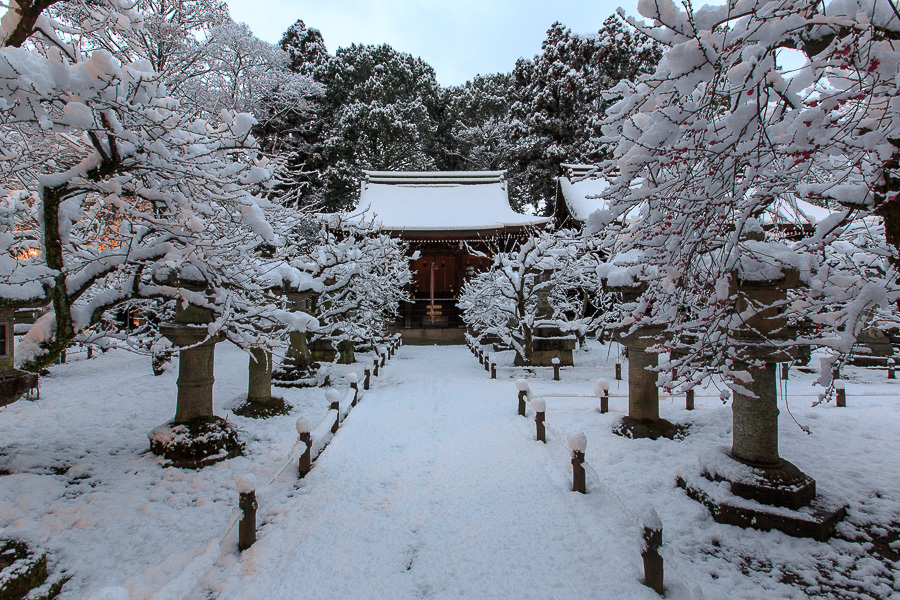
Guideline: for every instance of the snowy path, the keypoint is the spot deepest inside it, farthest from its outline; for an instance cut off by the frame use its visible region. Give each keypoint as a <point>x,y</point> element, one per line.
<point>414,498</point>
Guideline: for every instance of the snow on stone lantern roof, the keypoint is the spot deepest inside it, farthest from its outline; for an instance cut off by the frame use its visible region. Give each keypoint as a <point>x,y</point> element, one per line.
<point>440,201</point>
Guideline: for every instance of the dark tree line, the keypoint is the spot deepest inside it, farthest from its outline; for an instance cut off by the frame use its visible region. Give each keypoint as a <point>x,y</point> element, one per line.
<point>383,110</point>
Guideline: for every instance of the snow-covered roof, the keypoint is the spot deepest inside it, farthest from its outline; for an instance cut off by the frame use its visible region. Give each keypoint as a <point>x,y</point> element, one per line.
<point>440,201</point>
<point>584,196</point>
<point>793,211</point>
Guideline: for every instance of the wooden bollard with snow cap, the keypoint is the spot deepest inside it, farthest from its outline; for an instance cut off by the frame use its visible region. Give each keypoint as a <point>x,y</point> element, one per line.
<point>840,394</point>
<point>524,392</point>
<point>305,438</point>
<point>785,371</point>
<point>382,352</point>
<point>487,362</point>
<point>367,378</point>
<point>601,390</point>
<point>540,410</point>
<point>375,367</point>
<point>493,370</point>
<point>689,399</point>
<point>353,380</point>
<point>578,444</point>
<point>653,562</point>
<point>334,401</point>
<point>246,485</point>
<point>891,364</point>
<point>555,362</point>
<point>618,370</point>
<point>480,356</point>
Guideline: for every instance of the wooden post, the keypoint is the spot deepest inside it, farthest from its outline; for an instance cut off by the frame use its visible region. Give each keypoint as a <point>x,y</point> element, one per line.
<point>836,372</point>
<point>618,370</point>
<point>334,399</point>
<point>555,363</point>
<point>247,526</point>
<point>487,362</point>
<point>841,394</point>
<point>890,366</point>
<point>383,357</point>
<point>523,395</point>
<point>90,352</point>
<point>493,370</point>
<point>367,379</point>
<point>375,367</point>
<point>355,387</point>
<point>62,357</point>
<point>578,443</point>
<point>305,438</point>
<point>785,369</point>
<point>540,408</point>
<point>689,399</point>
<point>480,357</point>
<point>653,562</point>
<point>601,389</point>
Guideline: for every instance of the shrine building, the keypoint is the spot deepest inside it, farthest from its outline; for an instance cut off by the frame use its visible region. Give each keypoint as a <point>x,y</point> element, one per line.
<point>442,215</point>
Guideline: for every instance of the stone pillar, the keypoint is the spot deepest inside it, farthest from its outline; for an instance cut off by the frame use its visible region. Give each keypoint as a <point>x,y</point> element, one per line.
<point>195,370</point>
<point>643,419</point>
<point>755,432</point>
<point>259,387</point>
<point>643,395</point>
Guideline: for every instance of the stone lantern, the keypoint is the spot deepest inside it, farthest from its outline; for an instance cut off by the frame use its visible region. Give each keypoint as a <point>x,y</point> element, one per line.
<point>196,437</point>
<point>13,383</point>
<point>548,342</point>
<point>753,469</point>
<point>643,420</point>
<point>298,359</point>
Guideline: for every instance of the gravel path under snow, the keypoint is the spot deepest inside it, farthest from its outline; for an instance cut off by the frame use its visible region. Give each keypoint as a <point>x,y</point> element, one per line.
<point>417,497</point>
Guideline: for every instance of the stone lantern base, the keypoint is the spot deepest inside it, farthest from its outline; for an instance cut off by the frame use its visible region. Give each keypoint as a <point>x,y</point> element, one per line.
<point>256,409</point>
<point>196,443</point>
<point>549,343</point>
<point>779,497</point>
<point>651,429</point>
<point>14,384</point>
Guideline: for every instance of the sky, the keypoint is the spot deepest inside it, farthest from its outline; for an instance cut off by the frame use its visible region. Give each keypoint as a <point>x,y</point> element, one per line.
<point>459,38</point>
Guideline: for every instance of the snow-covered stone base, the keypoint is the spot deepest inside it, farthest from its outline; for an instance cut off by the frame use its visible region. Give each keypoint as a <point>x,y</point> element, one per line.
<point>272,407</point>
<point>714,483</point>
<point>197,443</point>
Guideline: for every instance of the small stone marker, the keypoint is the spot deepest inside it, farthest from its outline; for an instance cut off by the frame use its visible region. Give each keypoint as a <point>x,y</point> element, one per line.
<point>540,409</point>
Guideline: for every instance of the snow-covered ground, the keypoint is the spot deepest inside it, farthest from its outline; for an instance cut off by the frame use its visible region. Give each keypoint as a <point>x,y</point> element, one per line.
<point>432,488</point>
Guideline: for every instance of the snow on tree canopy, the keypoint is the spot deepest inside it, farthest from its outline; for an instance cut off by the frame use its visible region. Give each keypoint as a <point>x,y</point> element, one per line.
<point>437,201</point>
